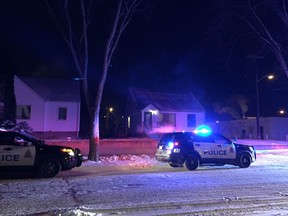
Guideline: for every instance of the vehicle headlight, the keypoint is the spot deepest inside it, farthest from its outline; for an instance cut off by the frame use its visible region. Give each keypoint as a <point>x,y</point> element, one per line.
<point>68,151</point>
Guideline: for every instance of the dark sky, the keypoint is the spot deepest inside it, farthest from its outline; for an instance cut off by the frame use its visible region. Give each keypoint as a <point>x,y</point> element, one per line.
<point>177,46</point>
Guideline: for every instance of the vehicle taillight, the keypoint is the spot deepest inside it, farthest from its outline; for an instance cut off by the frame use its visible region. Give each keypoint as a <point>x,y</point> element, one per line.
<point>170,146</point>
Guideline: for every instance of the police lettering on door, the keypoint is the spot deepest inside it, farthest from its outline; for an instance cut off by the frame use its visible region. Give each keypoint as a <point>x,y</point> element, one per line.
<point>215,152</point>
<point>9,158</point>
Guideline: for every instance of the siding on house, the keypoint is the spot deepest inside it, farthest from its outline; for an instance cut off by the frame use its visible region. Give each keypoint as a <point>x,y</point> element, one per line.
<point>26,96</point>
<point>52,123</point>
<point>45,97</point>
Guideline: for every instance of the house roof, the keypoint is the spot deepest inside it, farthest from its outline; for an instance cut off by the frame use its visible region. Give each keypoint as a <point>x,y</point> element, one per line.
<point>164,101</point>
<point>54,89</point>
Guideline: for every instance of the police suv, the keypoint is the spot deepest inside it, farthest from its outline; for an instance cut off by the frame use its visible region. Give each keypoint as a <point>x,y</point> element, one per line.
<point>194,149</point>
<point>22,152</point>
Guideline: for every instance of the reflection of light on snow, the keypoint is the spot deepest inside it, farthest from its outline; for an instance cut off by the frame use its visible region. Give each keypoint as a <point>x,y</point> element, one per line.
<point>272,157</point>
<point>79,212</point>
<point>123,160</point>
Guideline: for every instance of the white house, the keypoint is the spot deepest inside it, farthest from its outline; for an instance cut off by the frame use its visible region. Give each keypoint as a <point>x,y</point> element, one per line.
<point>160,112</point>
<point>51,107</point>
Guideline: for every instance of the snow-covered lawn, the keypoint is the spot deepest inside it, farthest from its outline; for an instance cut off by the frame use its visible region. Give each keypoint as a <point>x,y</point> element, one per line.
<point>264,157</point>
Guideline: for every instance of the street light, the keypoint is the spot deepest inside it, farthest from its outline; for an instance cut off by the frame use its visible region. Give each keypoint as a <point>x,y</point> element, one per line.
<point>109,110</point>
<point>257,100</point>
<point>282,112</point>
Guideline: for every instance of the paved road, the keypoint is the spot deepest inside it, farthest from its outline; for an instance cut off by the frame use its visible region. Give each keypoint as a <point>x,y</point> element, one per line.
<point>157,190</point>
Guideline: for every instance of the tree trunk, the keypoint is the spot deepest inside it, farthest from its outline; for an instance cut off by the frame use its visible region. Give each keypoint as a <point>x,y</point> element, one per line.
<point>94,138</point>
<point>9,98</point>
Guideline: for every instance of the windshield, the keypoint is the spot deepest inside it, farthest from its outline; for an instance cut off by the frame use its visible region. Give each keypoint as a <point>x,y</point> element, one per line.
<point>29,137</point>
<point>167,138</point>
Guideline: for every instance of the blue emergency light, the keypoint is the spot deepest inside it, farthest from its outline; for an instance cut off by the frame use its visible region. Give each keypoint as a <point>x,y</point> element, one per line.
<point>203,130</point>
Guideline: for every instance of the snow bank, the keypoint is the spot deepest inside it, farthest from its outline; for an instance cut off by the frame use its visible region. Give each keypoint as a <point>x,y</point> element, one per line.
<point>123,160</point>
<point>264,157</point>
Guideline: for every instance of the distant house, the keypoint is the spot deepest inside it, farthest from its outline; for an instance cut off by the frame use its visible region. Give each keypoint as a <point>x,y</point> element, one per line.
<point>273,128</point>
<point>51,107</point>
<point>159,112</point>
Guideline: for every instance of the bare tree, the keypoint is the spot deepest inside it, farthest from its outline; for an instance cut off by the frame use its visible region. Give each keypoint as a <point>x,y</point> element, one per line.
<point>264,22</point>
<point>73,21</point>
<point>266,34</point>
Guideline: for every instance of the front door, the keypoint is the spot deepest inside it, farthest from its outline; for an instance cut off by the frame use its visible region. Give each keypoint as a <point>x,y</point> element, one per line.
<point>148,121</point>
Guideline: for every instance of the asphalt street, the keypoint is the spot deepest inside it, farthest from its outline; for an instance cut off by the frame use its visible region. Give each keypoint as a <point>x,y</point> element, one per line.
<point>151,190</point>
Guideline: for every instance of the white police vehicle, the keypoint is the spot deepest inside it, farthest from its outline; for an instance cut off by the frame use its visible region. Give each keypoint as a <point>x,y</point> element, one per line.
<point>22,152</point>
<point>202,147</point>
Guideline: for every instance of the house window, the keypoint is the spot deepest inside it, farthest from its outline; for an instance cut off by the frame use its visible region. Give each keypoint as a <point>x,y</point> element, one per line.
<point>167,119</point>
<point>129,122</point>
<point>62,113</point>
<point>23,112</point>
<point>191,120</point>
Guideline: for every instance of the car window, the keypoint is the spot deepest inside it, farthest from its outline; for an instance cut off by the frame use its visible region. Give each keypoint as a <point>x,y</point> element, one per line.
<point>204,139</point>
<point>13,139</point>
<point>167,137</point>
<point>221,139</point>
<point>7,139</point>
<point>180,137</point>
<point>19,141</point>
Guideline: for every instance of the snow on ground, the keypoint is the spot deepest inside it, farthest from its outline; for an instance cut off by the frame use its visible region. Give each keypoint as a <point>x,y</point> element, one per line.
<point>277,155</point>
<point>123,160</point>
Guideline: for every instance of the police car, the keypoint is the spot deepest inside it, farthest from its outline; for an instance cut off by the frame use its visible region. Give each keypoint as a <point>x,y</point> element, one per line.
<point>22,152</point>
<point>202,147</point>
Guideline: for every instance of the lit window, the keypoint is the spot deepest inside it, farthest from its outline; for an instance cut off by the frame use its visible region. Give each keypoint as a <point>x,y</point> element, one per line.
<point>129,122</point>
<point>62,113</point>
<point>23,112</point>
<point>191,120</point>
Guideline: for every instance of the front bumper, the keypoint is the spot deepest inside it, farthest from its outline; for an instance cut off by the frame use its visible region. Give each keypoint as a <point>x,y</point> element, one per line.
<point>70,162</point>
<point>163,155</point>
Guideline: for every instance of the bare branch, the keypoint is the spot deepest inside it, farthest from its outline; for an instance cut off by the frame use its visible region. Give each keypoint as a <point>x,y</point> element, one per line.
<point>282,12</point>
<point>269,40</point>
<point>60,28</point>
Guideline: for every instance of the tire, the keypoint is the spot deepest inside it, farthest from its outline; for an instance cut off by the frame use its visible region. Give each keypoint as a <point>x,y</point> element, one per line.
<point>78,157</point>
<point>50,167</point>
<point>244,160</point>
<point>175,165</point>
<point>192,162</point>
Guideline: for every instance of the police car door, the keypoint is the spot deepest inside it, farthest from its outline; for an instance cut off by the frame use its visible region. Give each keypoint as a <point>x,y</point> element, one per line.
<point>213,147</point>
<point>225,147</point>
<point>15,151</point>
<point>205,146</point>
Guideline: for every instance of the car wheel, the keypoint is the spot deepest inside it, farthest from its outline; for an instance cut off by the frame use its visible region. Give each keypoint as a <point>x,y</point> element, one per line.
<point>244,160</point>
<point>175,165</point>
<point>50,167</point>
<point>192,162</point>
<point>78,157</point>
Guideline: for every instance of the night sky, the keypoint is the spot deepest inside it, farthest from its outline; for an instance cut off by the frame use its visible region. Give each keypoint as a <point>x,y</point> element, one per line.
<point>176,46</point>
